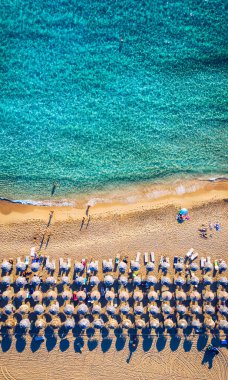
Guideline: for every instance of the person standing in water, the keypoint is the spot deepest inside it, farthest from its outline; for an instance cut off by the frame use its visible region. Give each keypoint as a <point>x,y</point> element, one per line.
<point>53,188</point>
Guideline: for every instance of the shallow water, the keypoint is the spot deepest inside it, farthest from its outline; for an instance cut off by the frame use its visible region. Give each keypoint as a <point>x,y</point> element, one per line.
<point>84,109</point>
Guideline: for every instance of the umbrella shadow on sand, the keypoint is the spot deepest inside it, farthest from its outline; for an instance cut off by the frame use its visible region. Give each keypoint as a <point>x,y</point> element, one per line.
<point>20,343</point>
<point>147,343</point>
<point>174,342</point>
<point>6,343</point>
<point>120,343</point>
<point>64,345</point>
<point>201,342</point>
<point>161,343</point>
<point>106,344</point>
<point>208,358</point>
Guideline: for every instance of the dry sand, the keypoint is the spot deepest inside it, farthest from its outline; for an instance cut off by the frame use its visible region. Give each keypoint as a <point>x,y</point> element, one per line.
<point>124,229</point>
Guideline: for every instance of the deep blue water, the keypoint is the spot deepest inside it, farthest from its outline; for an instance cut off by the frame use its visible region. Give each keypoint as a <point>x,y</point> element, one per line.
<point>80,107</point>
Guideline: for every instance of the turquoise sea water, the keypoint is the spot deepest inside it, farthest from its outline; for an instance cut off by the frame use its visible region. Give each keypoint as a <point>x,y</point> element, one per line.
<point>83,108</point>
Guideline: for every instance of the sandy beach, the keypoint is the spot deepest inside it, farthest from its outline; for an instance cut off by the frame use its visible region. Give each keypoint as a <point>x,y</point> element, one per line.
<point>124,229</point>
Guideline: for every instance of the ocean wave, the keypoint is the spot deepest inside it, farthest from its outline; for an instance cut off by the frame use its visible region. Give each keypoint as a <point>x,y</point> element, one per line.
<point>39,203</point>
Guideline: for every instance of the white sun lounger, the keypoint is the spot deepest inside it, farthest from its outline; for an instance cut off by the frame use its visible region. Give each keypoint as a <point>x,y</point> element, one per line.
<point>208,259</point>
<point>96,262</point>
<point>194,256</point>
<point>189,253</point>
<point>69,262</point>
<point>32,251</point>
<point>18,260</point>
<point>138,256</point>
<point>152,257</point>
<point>202,262</point>
<point>60,262</point>
<point>146,259</point>
<point>161,260</point>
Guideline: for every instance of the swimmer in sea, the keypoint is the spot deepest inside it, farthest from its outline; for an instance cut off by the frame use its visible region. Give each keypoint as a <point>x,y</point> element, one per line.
<point>53,188</point>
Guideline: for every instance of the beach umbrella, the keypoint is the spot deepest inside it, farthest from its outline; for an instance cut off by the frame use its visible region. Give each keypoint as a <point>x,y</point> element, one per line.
<point>194,280</point>
<point>182,324</point>
<point>50,281</point>
<point>222,295</point>
<point>21,281</point>
<point>94,280</point>
<point>151,280</point>
<point>223,324</point>
<point>20,266</point>
<point>82,309</point>
<point>196,323</point>
<point>21,295</point>
<point>138,310</point>
<point>207,280</point>
<point>124,296</point>
<point>112,323</point>
<point>79,280</point>
<point>54,309</point>
<point>124,309</point>
<point>65,280</point>
<point>222,266</point>
<point>165,280</point>
<point>109,295</point>
<point>137,280</point>
<point>107,266</point>
<point>23,309</point>
<point>152,296</point>
<point>50,266</point>
<point>40,323</point>
<point>37,296</point>
<point>25,324</point>
<point>84,323</point>
<point>78,267</point>
<point>92,266</point>
<point>39,309</point>
<point>6,266</point>
<point>208,266</point>
<point>208,296</point>
<point>69,323</point>
<point>64,266</point>
<point>209,309</point>
<point>108,280</point>
<point>166,296</point>
<point>123,280</point>
<point>150,267</point>
<point>194,267</point>
<point>179,281</point>
<point>223,310</point>
<point>179,267</point>
<point>110,310</point>
<point>140,324</point>
<point>138,296</point>
<point>55,323</point>
<point>183,211</point>
<point>35,266</point>
<point>196,309</point>
<point>127,324</point>
<point>6,280</point>
<point>51,295</point>
<point>98,323</point>
<point>165,265</point>
<point>81,295</point>
<point>122,267</point>
<point>181,296</point>
<point>222,281</point>
<point>68,309</point>
<point>9,309</point>
<point>168,323</point>
<point>95,295</point>
<point>96,309</point>
<point>154,323</point>
<point>35,281</point>
<point>153,309</point>
<point>166,309</point>
<point>194,295</point>
<point>135,266</point>
<point>7,295</point>
<point>209,323</point>
<point>67,295</point>
<point>181,309</point>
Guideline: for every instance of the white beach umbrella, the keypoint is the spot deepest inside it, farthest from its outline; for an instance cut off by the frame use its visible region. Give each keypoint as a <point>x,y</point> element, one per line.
<point>182,323</point>
<point>223,310</point>
<point>168,323</point>
<point>122,267</point>
<point>196,309</point>
<point>196,323</point>
<point>67,295</point>
<point>165,280</point>
<point>68,309</point>
<point>181,309</point>
<point>35,266</point>
<point>98,323</point>
<point>37,296</point>
<point>140,324</point>
<point>25,324</point>
<point>39,309</point>
<point>208,296</point>
<point>150,267</point>
<point>152,296</point>
<point>40,323</point>
<point>65,280</point>
<point>51,281</point>
<point>222,295</point>
<point>194,280</point>
<point>135,266</point>
<point>127,324</point>
<point>138,296</point>
<point>69,323</point>
<point>9,309</point>
<point>82,309</point>
<point>24,309</point>
<point>93,266</point>
<point>6,266</point>
<point>208,280</point>
<point>124,296</point>
<point>138,310</point>
<point>112,323</point>
<point>124,309</point>
<point>81,295</point>
<point>123,280</point>
<point>109,280</point>
<point>111,310</point>
<point>20,266</point>
<point>137,280</point>
<point>222,266</point>
<point>96,309</point>
<point>167,296</point>
<point>194,295</point>
<point>179,281</point>
<point>181,296</point>
<point>95,295</point>
<point>54,309</point>
<point>6,281</point>
<point>84,323</point>
<point>107,266</point>
<point>209,309</point>
<point>194,267</point>
<point>35,281</point>
<point>223,281</point>
<point>21,295</point>
<point>179,267</point>
<point>51,295</point>
<point>109,295</point>
<point>154,323</point>
<point>153,309</point>
<point>151,280</point>
<point>165,265</point>
<point>166,309</point>
<point>94,280</point>
<point>223,324</point>
<point>79,280</point>
<point>78,267</point>
<point>208,266</point>
<point>21,281</point>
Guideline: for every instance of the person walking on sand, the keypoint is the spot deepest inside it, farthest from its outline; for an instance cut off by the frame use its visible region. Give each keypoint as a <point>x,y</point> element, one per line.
<point>87,210</point>
<point>82,223</point>
<point>88,221</point>
<point>50,218</point>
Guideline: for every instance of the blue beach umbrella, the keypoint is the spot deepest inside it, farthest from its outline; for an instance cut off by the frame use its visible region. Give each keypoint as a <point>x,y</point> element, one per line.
<point>183,211</point>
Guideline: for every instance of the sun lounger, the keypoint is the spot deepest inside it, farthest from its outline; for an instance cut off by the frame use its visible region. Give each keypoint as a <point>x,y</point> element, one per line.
<point>32,252</point>
<point>117,259</point>
<point>53,263</point>
<point>69,262</point>
<point>27,260</point>
<point>96,263</point>
<point>181,259</point>
<point>146,259</point>
<point>194,256</point>
<point>152,257</point>
<point>18,260</point>
<point>189,253</point>
<point>60,262</point>
<point>138,256</point>
<point>208,259</point>
<point>216,264</point>
<point>161,260</point>
<point>202,262</point>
